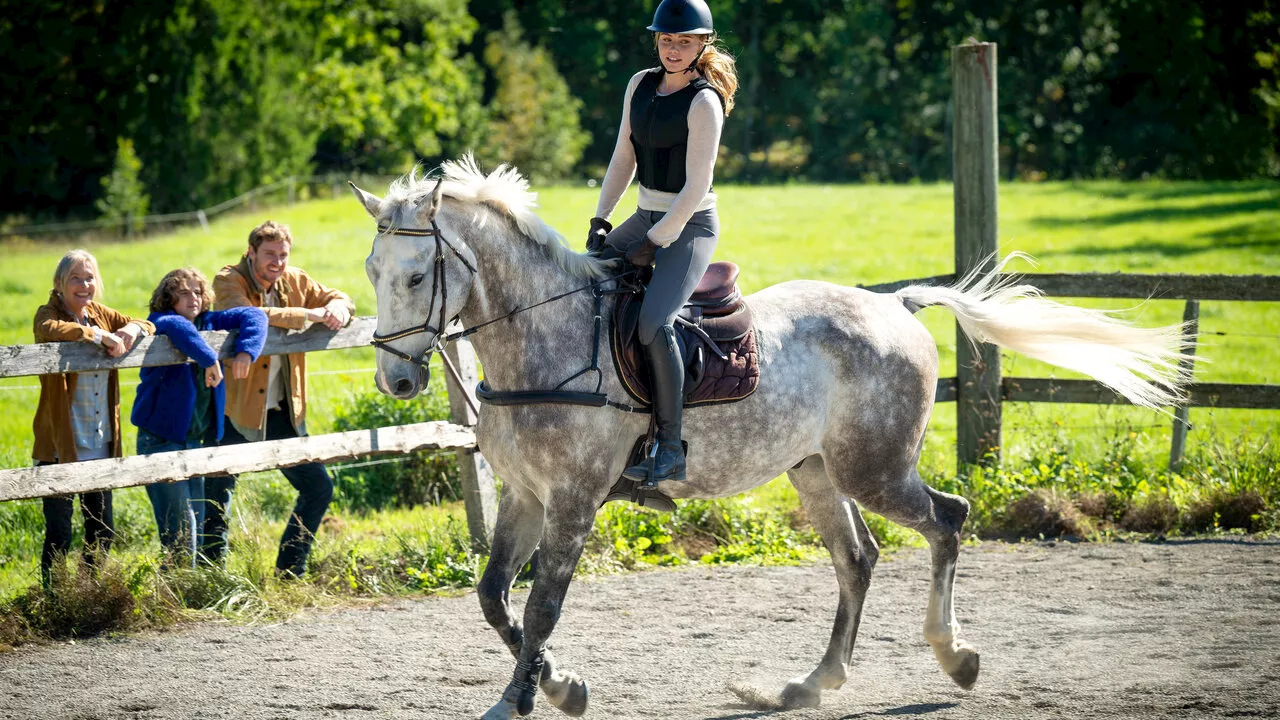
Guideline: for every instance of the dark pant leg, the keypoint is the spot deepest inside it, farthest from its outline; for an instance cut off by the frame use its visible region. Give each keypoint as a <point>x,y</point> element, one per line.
<point>57,533</point>
<point>216,505</point>
<point>315,491</point>
<point>677,270</point>
<point>216,502</point>
<point>630,233</point>
<point>99,528</point>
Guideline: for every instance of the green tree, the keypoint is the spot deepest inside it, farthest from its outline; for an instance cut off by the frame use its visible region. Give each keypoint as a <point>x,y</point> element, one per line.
<point>123,197</point>
<point>534,119</point>
<point>391,86</point>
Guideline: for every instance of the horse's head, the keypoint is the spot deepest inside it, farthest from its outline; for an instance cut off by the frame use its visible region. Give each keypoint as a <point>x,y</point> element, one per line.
<point>422,275</point>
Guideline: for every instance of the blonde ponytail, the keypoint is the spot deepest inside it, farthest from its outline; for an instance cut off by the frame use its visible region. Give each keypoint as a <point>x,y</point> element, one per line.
<point>720,71</point>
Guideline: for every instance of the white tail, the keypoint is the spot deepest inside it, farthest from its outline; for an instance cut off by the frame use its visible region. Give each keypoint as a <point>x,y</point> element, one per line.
<point>1142,364</point>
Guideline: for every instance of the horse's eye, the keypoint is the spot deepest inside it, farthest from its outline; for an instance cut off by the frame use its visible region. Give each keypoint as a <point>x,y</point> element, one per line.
<point>416,280</point>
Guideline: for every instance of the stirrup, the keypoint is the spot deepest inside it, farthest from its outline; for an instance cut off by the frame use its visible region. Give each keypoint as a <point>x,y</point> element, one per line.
<point>643,495</point>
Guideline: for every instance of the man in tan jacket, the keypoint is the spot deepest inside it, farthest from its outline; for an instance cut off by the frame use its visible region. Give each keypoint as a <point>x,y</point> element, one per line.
<point>270,403</point>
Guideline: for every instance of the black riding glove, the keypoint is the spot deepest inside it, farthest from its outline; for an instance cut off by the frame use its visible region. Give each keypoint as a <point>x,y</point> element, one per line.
<point>642,253</point>
<point>595,237</point>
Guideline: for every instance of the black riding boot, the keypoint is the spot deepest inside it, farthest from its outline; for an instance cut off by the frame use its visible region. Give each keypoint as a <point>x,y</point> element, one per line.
<point>666,368</point>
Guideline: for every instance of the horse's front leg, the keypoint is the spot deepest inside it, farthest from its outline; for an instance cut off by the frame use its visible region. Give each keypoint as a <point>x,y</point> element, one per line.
<point>568,522</point>
<point>515,536</point>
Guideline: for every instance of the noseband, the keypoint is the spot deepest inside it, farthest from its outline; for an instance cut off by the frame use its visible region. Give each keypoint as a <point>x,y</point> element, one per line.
<point>438,280</point>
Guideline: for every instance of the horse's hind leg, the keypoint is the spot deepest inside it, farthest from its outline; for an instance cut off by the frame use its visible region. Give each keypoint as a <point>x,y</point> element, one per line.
<point>853,553</point>
<point>939,517</point>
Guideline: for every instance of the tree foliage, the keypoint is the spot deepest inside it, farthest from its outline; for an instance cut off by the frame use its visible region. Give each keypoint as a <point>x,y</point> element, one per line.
<point>390,85</point>
<point>219,96</point>
<point>533,117</point>
<point>123,196</point>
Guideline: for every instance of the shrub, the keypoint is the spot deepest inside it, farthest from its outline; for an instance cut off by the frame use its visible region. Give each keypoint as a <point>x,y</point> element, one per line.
<point>420,478</point>
<point>1154,514</point>
<point>1226,510</point>
<point>124,198</point>
<point>79,604</point>
<point>1045,513</point>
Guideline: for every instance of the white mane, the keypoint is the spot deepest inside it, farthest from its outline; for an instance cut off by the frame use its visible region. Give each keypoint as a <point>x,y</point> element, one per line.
<point>504,190</point>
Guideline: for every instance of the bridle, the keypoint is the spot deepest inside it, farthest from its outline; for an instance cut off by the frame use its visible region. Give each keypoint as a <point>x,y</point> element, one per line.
<point>438,279</point>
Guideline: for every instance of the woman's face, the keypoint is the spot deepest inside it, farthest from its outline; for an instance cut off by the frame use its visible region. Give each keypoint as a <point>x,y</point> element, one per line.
<point>188,299</point>
<point>678,51</point>
<point>80,288</point>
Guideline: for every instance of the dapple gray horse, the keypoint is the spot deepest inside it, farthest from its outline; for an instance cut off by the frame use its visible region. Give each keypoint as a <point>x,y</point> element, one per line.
<point>847,384</point>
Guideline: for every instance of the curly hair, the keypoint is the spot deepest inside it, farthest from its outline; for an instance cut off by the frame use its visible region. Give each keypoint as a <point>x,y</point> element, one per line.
<point>166,293</point>
<point>268,232</point>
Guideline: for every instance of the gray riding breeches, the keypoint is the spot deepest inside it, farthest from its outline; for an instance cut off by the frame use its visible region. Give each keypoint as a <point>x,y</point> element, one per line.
<point>677,268</point>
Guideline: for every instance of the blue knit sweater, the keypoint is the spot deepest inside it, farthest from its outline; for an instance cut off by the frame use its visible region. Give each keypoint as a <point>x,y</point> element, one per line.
<point>167,394</point>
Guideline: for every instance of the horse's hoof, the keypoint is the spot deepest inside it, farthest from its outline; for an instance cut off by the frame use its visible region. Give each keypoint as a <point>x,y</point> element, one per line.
<point>800,694</point>
<point>966,673</point>
<point>571,697</point>
<point>501,711</point>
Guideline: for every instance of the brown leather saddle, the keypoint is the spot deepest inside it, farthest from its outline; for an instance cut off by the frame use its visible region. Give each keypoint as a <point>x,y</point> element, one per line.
<point>716,337</point>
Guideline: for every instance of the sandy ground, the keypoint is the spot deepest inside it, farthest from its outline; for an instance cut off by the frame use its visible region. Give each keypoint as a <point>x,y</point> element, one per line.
<point>1175,630</point>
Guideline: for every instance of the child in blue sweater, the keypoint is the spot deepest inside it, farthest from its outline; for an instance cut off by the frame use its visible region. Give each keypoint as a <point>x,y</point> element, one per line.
<point>180,407</point>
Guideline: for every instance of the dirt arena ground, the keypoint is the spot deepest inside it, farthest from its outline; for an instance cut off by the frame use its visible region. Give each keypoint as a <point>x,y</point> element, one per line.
<point>1172,630</point>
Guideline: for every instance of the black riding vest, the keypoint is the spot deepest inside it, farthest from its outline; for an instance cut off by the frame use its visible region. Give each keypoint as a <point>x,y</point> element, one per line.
<point>660,131</point>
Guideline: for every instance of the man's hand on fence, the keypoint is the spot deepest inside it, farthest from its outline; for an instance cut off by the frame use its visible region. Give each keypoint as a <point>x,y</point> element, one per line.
<point>333,317</point>
<point>338,312</point>
<point>239,366</point>
<point>213,375</point>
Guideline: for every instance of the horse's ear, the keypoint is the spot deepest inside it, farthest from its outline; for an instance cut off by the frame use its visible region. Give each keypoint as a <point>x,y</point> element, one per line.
<point>370,201</point>
<point>436,194</point>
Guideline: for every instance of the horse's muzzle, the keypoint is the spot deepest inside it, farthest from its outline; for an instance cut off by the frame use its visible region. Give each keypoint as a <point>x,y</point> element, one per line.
<point>404,384</point>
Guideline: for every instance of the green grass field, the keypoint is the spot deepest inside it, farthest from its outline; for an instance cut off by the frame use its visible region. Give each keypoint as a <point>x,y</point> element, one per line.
<point>846,234</point>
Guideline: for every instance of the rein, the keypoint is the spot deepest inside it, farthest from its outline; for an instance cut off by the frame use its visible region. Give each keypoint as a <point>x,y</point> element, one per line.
<point>483,392</point>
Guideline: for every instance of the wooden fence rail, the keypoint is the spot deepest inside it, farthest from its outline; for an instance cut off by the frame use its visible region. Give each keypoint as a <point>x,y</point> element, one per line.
<point>113,473</point>
<point>475,475</point>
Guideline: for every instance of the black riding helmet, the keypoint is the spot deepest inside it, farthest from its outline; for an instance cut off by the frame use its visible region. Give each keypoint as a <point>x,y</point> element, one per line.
<point>682,17</point>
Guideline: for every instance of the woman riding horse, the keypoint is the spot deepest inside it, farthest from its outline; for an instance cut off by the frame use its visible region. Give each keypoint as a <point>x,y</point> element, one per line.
<point>670,132</point>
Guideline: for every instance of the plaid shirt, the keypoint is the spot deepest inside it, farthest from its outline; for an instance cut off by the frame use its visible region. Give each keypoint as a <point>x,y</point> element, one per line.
<point>90,413</point>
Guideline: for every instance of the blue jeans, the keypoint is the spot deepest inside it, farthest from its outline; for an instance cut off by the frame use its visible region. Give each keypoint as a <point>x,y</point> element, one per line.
<point>179,507</point>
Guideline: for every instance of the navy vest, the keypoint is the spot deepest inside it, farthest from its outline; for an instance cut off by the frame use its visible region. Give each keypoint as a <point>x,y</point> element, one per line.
<point>660,131</point>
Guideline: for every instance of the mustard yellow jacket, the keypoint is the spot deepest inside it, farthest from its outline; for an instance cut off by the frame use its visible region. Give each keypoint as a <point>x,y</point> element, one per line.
<point>235,286</point>
<point>54,437</point>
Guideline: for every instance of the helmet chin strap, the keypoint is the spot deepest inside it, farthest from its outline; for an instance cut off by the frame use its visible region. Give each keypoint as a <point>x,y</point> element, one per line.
<point>692,66</point>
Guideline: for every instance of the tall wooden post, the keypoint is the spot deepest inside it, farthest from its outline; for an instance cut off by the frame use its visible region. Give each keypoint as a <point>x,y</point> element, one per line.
<point>975,169</point>
<point>1181,416</point>
<point>478,491</point>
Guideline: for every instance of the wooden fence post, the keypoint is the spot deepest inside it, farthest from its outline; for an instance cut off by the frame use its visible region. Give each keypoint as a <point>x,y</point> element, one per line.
<point>975,169</point>
<point>1181,422</point>
<point>478,491</point>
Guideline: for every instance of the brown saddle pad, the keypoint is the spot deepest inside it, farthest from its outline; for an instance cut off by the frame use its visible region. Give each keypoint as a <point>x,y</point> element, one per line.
<point>716,336</point>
